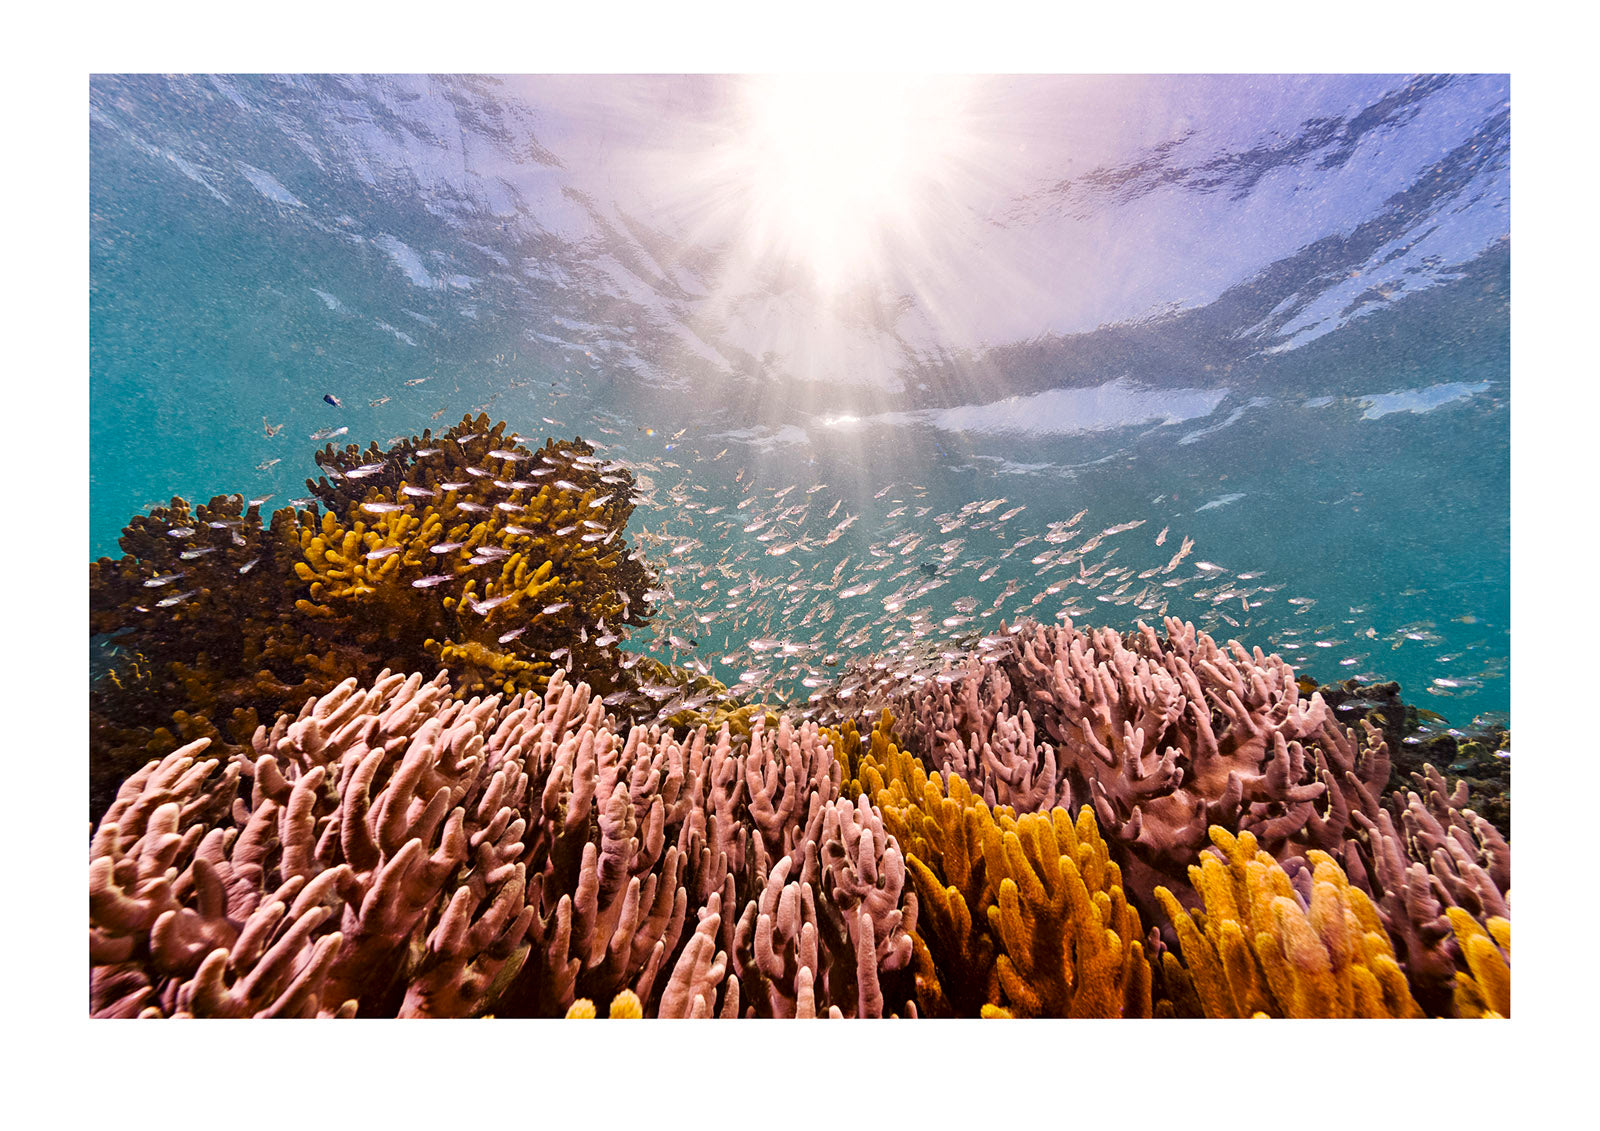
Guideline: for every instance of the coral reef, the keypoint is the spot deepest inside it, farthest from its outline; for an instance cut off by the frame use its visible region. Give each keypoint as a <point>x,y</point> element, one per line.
<point>466,553</point>
<point>401,852</point>
<point>385,756</point>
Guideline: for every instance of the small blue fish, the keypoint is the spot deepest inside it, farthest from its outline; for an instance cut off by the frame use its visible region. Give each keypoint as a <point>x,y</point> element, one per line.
<point>333,400</point>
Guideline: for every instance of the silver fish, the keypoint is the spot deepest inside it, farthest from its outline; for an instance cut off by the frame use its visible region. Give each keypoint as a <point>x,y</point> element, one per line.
<point>382,508</point>
<point>431,581</point>
<point>375,555</point>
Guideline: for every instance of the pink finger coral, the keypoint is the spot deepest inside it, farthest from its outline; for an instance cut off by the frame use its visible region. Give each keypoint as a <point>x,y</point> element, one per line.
<point>393,851</point>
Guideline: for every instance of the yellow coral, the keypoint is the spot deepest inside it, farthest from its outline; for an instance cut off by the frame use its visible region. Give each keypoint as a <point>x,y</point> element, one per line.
<point>523,570</point>
<point>1255,951</point>
<point>625,1006</point>
<point>1064,951</point>
<point>1020,916</point>
<point>1486,990</point>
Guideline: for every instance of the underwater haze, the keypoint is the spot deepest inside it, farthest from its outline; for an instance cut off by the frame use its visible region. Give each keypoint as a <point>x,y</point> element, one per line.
<point>891,362</point>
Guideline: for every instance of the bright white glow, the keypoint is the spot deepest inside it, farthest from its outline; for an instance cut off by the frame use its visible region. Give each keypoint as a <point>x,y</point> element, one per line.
<point>839,161</point>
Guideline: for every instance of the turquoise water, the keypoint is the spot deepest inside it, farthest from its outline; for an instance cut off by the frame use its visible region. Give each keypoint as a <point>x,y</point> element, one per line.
<point>1268,314</point>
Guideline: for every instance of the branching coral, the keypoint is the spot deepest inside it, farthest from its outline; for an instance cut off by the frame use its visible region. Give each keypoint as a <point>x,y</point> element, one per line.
<point>1442,860</point>
<point>1262,949</point>
<point>1024,916</point>
<point>467,553</point>
<point>497,561</point>
<point>202,634</point>
<point>403,852</point>
<point>1484,989</point>
<point>1481,758</point>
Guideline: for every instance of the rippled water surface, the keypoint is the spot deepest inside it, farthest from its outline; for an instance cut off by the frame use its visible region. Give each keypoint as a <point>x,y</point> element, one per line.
<point>1270,315</point>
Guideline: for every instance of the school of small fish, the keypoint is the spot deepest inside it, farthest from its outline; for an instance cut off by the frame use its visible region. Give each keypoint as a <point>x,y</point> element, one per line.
<point>798,592</point>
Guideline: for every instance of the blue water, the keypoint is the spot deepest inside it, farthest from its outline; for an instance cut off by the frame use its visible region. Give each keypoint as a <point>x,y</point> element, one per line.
<point>1270,314</point>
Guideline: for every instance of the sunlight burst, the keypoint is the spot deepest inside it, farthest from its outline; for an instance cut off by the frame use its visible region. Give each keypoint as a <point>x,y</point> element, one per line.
<point>839,161</point>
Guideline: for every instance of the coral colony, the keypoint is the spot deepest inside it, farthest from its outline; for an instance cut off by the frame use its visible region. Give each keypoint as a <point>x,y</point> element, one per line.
<point>386,756</point>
